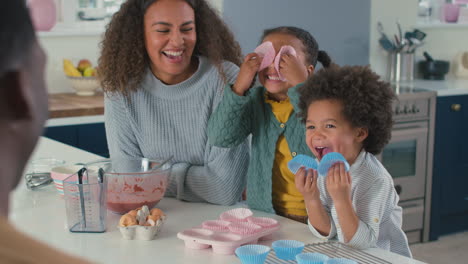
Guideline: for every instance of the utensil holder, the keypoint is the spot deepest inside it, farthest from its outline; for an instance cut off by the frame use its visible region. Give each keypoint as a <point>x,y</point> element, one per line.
<point>401,66</point>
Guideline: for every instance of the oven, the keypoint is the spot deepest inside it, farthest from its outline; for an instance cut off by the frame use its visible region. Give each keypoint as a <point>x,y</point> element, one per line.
<point>408,158</point>
<point>405,159</point>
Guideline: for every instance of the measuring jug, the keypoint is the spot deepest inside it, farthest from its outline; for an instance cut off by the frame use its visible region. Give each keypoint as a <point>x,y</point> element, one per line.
<point>85,201</point>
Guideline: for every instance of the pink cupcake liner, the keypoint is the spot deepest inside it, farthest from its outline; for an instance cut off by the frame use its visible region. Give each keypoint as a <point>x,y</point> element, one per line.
<point>244,228</point>
<point>236,215</point>
<point>216,225</point>
<point>265,222</point>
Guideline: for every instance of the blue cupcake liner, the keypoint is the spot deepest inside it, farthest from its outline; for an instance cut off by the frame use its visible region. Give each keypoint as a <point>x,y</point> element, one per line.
<point>287,249</point>
<point>252,254</point>
<point>302,160</point>
<point>311,258</point>
<point>328,160</point>
<point>340,261</point>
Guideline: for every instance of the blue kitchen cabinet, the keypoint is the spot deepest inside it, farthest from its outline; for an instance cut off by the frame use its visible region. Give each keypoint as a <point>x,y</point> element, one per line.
<point>89,137</point>
<point>449,212</point>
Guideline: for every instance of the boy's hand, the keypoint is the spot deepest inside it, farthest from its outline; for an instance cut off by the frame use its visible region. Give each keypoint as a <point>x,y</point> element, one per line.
<point>293,70</point>
<point>339,183</point>
<point>247,73</point>
<point>306,183</point>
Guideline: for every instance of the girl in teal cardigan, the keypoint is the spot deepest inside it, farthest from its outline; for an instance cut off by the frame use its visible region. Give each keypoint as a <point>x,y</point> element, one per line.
<point>268,113</point>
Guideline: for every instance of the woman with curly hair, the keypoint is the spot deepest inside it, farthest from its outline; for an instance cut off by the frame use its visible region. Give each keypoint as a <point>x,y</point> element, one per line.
<point>349,110</point>
<point>163,66</point>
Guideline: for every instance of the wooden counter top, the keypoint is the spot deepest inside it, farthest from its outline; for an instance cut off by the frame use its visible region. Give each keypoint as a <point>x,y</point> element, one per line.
<point>72,105</point>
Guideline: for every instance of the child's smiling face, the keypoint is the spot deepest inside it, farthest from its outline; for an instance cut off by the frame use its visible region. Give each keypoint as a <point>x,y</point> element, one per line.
<point>269,76</point>
<point>327,130</point>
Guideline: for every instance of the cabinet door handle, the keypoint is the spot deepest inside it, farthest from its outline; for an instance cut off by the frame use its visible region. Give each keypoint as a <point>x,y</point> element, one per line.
<point>456,107</point>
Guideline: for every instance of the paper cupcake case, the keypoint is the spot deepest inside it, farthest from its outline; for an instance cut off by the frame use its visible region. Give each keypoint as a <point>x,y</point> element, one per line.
<point>225,241</point>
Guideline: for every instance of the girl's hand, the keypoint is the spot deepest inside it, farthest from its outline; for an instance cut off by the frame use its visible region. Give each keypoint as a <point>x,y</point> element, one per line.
<point>293,70</point>
<point>339,183</point>
<point>247,73</point>
<point>306,183</point>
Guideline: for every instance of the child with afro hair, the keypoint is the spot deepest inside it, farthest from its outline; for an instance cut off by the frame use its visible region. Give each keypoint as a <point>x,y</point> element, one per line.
<point>349,110</point>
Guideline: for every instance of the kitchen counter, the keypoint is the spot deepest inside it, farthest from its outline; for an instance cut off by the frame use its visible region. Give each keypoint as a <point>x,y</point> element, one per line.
<point>71,109</point>
<point>72,105</point>
<point>41,214</point>
<point>447,87</point>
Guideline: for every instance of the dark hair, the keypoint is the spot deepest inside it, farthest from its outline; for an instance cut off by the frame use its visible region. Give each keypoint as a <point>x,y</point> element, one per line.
<point>17,34</point>
<point>313,54</point>
<point>124,60</point>
<point>367,101</point>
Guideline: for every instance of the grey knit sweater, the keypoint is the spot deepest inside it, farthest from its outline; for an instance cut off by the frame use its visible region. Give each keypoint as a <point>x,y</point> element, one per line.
<point>161,120</point>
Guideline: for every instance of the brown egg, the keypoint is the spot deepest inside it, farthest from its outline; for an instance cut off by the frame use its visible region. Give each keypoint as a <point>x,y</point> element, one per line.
<point>127,220</point>
<point>155,218</point>
<point>157,211</point>
<point>133,213</point>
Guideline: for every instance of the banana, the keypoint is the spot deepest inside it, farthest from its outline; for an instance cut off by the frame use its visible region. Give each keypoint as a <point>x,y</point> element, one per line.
<point>69,69</point>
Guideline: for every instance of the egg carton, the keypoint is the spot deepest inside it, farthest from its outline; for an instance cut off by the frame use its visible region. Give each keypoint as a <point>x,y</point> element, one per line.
<point>234,228</point>
<point>145,229</point>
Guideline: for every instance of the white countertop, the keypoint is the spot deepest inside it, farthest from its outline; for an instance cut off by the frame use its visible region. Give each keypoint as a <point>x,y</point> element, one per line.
<point>447,87</point>
<point>41,214</point>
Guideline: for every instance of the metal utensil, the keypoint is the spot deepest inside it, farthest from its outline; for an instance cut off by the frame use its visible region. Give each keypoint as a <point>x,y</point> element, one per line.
<point>80,188</point>
<point>418,34</point>
<point>384,41</point>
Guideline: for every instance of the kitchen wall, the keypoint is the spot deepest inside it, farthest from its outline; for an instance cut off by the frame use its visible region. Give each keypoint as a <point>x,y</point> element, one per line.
<point>442,42</point>
<point>340,27</point>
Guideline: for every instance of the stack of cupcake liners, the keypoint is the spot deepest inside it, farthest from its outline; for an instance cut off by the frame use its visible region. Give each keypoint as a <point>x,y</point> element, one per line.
<point>310,163</point>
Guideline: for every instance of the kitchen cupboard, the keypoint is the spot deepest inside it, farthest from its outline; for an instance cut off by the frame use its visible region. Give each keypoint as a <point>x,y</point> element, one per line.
<point>89,137</point>
<point>449,212</point>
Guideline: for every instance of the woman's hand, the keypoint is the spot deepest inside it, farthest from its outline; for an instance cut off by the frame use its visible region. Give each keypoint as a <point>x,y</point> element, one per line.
<point>339,184</point>
<point>306,183</point>
<point>292,69</point>
<point>247,73</point>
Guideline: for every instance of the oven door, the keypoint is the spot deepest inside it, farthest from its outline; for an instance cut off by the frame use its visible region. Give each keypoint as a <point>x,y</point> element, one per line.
<point>405,159</point>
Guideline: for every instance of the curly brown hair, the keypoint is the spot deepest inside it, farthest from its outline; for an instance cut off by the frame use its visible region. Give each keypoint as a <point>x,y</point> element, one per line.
<point>367,100</point>
<point>124,60</point>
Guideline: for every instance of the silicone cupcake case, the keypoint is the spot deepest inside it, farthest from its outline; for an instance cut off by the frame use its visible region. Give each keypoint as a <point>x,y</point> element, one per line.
<point>243,229</point>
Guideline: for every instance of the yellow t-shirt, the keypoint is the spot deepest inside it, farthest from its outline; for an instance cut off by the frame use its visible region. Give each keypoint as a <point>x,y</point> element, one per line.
<point>286,198</point>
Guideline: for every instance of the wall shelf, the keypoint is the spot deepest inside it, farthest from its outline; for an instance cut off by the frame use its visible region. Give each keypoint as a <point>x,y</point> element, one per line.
<point>441,25</point>
<point>84,28</point>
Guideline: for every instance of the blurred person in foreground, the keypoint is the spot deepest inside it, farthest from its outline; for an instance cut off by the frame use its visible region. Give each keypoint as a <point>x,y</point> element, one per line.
<point>23,111</point>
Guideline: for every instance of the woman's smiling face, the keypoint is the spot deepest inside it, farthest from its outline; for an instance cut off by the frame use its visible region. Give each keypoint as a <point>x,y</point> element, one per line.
<point>170,38</point>
<point>327,130</point>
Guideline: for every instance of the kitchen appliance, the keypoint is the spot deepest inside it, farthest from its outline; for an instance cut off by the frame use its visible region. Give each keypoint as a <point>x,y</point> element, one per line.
<point>408,157</point>
<point>461,65</point>
<point>433,69</point>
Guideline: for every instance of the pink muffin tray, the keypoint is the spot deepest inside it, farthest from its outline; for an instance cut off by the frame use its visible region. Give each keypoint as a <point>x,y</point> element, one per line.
<point>233,229</point>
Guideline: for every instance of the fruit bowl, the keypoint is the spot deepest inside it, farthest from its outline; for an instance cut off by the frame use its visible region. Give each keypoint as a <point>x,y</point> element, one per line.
<point>85,86</point>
